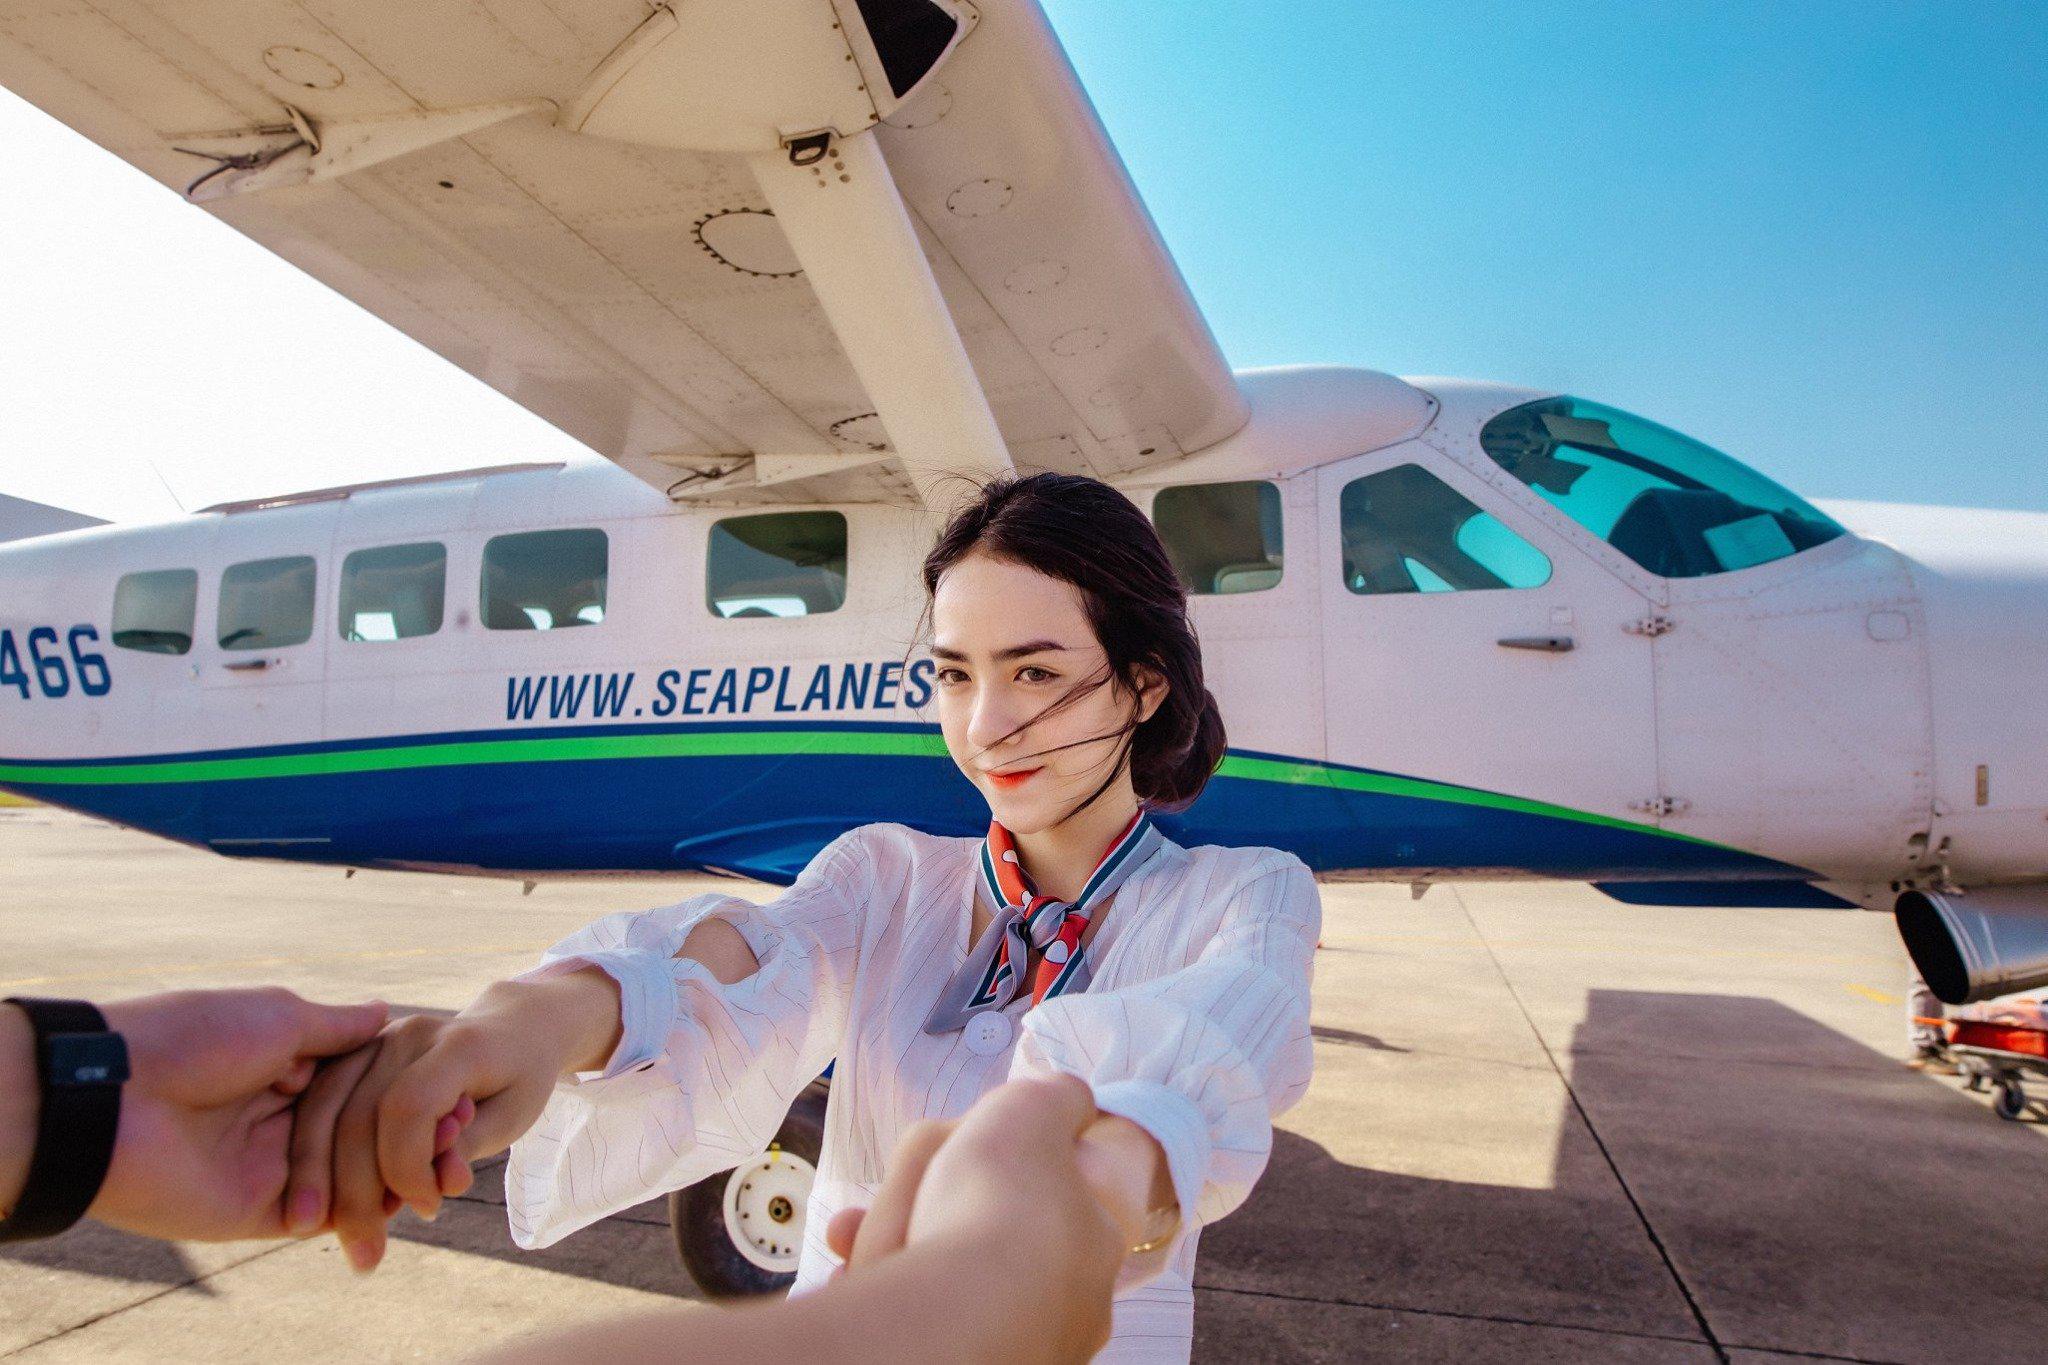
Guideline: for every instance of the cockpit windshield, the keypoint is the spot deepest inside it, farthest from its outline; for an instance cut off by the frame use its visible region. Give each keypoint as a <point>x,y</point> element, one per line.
<point>1678,508</point>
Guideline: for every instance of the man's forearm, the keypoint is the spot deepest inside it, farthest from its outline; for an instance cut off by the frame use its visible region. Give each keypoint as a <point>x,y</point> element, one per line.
<point>20,1103</point>
<point>1030,1300</point>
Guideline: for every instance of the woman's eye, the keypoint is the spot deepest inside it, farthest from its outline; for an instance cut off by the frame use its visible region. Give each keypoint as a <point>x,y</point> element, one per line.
<point>1030,673</point>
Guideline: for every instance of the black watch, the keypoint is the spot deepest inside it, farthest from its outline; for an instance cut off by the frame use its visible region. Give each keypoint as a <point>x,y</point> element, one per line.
<point>80,1067</point>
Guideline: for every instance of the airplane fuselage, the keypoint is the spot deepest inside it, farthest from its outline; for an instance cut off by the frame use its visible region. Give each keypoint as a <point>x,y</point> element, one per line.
<point>1834,715</point>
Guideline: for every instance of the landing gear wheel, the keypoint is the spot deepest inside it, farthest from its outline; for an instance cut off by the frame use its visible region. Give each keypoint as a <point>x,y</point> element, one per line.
<point>2009,1101</point>
<point>739,1231</point>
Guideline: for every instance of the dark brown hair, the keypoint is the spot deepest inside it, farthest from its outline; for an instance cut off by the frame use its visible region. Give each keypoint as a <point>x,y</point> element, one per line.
<point>1081,531</point>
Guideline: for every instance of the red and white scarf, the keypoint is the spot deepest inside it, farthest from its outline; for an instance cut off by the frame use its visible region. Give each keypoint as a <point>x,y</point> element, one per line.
<point>1024,921</point>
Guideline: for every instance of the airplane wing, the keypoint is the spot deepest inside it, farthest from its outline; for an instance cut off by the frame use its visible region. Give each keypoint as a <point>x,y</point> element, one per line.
<point>643,298</point>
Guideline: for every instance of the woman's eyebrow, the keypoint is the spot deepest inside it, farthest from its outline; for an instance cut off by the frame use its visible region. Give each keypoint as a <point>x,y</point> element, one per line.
<point>1013,652</point>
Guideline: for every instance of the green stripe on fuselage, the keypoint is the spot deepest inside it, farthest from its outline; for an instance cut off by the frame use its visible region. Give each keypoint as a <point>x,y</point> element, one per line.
<point>739,743</point>
<point>721,743</point>
<point>1387,784</point>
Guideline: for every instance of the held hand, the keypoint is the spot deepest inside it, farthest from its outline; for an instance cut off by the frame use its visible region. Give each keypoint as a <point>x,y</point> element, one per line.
<point>1014,1127</point>
<point>316,1154</point>
<point>387,1120</point>
<point>206,1117</point>
<point>1008,1175</point>
<point>1126,1168</point>
<point>1001,1193</point>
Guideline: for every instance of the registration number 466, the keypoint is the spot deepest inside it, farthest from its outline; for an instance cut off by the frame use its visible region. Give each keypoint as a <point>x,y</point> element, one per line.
<point>43,661</point>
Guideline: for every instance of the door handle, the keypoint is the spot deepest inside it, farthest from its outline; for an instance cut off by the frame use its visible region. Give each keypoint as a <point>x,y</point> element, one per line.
<point>1546,644</point>
<point>247,666</point>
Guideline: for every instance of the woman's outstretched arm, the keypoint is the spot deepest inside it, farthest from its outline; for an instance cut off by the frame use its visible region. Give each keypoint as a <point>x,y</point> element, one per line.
<point>696,1022</point>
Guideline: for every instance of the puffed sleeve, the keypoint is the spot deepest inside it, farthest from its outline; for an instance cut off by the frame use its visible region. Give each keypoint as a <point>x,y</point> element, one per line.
<point>703,1072</point>
<point>1204,1057</point>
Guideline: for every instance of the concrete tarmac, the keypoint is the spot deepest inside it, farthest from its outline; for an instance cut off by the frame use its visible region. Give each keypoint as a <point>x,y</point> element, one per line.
<point>1544,1127</point>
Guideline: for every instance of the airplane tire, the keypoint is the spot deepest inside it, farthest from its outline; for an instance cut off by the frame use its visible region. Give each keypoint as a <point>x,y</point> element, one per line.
<point>769,1192</point>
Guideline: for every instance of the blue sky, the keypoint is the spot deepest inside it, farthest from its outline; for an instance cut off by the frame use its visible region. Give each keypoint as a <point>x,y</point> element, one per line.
<point>1813,234</point>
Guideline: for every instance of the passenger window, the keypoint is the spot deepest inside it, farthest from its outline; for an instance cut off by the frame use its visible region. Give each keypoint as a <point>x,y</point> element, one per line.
<point>545,580</point>
<point>153,611</point>
<point>394,592</point>
<point>1221,537</point>
<point>1406,530</point>
<point>776,564</point>
<point>267,603</point>
<point>1678,508</point>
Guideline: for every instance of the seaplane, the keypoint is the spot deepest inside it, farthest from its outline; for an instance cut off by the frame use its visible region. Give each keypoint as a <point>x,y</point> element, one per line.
<point>790,270</point>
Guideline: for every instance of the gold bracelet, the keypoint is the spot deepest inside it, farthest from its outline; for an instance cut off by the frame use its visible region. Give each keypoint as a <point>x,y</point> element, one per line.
<point>1161,1239</point>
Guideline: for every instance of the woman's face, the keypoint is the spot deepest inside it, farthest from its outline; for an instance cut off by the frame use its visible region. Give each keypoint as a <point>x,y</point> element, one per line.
<point>1010,642</point>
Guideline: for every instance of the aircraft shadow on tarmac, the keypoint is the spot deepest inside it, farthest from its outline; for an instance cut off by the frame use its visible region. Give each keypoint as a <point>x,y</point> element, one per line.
<point>1805,1192</point>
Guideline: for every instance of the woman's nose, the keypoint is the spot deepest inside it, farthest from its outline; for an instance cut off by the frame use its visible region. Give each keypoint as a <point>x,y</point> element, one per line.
<point>992,720</point>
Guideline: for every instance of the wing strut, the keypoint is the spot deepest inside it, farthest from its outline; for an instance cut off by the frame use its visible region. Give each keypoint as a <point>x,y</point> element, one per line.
<point>848,227</point>
<point>797,88</point>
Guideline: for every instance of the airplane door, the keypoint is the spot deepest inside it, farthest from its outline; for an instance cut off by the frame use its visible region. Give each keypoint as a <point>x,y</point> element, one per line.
<point>1485,703</point>
<point>261,657</point>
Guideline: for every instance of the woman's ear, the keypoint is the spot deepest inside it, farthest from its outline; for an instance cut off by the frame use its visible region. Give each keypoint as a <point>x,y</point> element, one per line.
<point>1152,690</point>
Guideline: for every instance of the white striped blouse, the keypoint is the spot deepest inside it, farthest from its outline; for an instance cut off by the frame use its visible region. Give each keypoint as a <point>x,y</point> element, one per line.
<point>1195,1026</point>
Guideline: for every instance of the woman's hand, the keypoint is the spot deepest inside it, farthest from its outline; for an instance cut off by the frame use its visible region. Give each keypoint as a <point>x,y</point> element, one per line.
<point>398,1117</point>
<point>1126,1168</point>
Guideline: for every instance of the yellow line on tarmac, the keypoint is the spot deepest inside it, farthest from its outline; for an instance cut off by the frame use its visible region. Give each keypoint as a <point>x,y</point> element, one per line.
<point>1869,993</point>
<point>251,963</point>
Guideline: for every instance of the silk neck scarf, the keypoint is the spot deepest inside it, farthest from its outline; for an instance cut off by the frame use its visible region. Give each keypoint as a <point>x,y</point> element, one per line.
<point>1023,920</point>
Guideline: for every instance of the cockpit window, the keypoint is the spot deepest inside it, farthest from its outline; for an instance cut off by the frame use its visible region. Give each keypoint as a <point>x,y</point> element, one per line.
<point>1678,508</point>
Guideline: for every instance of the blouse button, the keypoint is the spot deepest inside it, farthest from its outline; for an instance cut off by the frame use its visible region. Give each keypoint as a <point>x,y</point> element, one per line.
<point>988,1033</point>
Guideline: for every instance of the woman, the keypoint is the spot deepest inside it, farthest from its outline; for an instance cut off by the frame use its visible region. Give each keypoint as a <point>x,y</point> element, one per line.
<point>652,1050</point>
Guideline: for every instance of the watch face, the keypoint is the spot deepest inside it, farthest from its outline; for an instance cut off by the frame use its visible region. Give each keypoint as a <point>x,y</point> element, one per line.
<point>81,1059</point>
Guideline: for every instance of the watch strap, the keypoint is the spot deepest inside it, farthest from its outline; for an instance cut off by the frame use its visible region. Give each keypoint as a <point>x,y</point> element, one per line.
<point>79,1067</point>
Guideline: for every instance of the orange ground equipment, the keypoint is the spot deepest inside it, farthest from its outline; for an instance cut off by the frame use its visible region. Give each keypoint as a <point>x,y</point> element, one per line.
<point>1999,1043</point>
